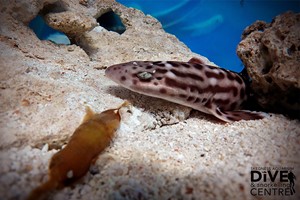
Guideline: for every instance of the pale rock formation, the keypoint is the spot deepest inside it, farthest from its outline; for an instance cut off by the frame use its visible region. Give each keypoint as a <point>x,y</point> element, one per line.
<point>271,55</point>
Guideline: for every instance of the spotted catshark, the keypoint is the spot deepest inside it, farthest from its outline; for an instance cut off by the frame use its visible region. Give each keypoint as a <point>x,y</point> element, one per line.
<point>203,87</point>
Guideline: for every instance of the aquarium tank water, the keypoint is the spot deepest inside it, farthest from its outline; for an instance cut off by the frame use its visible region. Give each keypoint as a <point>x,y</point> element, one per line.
<point>211,28</point>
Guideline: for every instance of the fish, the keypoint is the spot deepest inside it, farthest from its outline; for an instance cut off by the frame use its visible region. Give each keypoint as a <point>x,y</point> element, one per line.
<point>72,162</point>
<point>206,88</point>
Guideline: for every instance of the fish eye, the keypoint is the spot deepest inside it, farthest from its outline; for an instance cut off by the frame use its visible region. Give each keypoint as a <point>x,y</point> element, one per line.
<point>144,75</point>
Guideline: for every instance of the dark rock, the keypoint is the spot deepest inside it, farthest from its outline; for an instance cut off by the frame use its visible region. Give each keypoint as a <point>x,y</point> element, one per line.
<point>271,55</point>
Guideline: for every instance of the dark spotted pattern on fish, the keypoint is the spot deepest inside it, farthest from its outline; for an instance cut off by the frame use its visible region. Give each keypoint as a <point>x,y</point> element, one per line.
<point>194,84</point>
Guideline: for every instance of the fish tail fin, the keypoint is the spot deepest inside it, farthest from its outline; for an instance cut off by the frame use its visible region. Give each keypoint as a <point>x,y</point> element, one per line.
<point>42,190</point>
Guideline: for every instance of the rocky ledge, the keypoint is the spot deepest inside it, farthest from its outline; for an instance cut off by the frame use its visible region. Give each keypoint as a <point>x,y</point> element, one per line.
<point>271,55</point>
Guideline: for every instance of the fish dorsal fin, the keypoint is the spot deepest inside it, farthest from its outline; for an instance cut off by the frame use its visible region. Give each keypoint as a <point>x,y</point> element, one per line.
<point>196,60</point>
<point>89,113</point>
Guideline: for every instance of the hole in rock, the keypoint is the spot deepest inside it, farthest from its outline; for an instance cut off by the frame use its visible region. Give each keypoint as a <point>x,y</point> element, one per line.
<point>268,63</point>
<point>45,32</point>
<point>291,50</point>
<point>57,7</point>
<point>267,67</point>
<point>111,22</point>
<point>269,79</point>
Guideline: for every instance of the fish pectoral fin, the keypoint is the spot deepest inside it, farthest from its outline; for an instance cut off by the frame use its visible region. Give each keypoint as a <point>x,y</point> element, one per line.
<point>89,113</point>
<point>248,115</point>
<point>236,115</point>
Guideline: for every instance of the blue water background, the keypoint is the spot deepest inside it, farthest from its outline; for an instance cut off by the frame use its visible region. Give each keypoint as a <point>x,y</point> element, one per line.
<point>212,28</point>
<point>45,32</point>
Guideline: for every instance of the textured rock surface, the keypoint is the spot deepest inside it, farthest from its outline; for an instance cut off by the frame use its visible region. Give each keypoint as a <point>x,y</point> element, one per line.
<point>70,22</point>
<point>271,54</point>
<point>43,91</point>
<point>54,80</point>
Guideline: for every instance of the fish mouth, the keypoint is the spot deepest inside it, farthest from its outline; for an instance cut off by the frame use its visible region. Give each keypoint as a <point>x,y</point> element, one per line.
<point>111,72</point>
<point>108,71</point>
